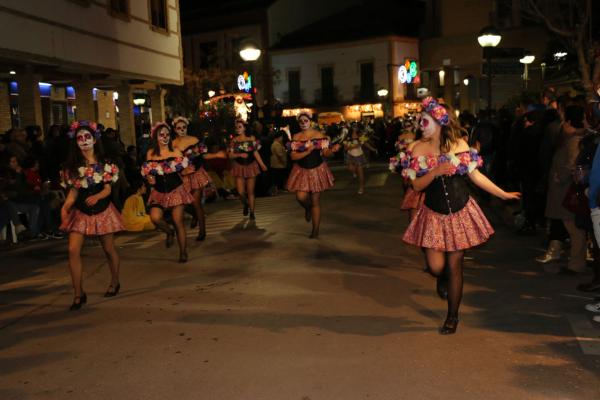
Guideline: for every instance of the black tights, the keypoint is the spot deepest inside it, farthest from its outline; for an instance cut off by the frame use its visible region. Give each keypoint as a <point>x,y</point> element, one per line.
<point>311,201</point>
<point>453,262</point>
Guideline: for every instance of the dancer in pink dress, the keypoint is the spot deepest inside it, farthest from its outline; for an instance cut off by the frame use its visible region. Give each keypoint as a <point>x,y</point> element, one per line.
<point>88,210</point>
<point>450,221</point>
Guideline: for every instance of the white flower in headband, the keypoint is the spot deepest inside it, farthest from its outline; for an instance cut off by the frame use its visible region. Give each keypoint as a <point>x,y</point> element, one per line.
<point>179,119</point>
<point>157,126</point>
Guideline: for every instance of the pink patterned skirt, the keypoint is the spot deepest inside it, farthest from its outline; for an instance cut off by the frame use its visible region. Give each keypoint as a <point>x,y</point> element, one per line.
<point>108,221</point>
<point>458,231</point>
<point>245,171</point>
<point>312,180</point>
<point>412,199</point>
<point>174,198</point>
<point>196,181</point>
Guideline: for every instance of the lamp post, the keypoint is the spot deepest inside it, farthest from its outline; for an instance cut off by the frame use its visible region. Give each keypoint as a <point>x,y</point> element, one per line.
<point>527,59</point>
<point>250,53</point>
<point>489,38</point>
<point>382,93</point>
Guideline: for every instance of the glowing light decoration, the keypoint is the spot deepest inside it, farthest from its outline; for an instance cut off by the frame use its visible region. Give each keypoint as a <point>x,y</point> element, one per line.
<point>244,82</point>
<point>409,72</point>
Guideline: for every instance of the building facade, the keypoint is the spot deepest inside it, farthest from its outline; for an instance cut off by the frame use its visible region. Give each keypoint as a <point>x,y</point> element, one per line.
<point>88,59</point>
<point>453,63</point>
<point>349,78</point>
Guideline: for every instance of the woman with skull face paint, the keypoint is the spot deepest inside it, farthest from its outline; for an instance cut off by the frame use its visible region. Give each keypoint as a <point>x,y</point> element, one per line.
<point>195,151</point>
<point>163,170</point>
<point>449,222</point>
<point>87,210</point>
<point>310,174</point>
<point>246,165</point>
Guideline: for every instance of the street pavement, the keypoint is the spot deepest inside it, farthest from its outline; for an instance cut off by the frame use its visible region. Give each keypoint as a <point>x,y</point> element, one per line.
<point>261,312</point>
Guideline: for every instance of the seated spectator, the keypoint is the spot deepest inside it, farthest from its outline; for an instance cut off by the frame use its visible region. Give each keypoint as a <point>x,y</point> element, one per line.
<point>17,145</point>
<point>134,213</point>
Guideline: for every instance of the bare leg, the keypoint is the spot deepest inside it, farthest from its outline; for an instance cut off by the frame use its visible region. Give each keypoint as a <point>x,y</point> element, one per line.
<point>250,184</point>
<point>361,178</point>
<point>108,245</point>
<point>180,229</point>
<point>197,194</point>
<point>315,209</point>
<point>156,215</point>
<point>75,266</point>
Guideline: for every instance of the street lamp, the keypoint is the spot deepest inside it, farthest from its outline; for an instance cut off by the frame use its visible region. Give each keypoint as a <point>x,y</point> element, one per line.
<point>466,82</point>
<point>527,59</point>
<point>250,53</point>
<point>382,92</point>
<point>488,38</point>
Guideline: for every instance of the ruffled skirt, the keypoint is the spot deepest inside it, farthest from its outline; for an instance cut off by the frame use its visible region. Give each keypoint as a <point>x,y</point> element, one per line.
<point>458,231</point>
<point>312,180</point>
<point>245,171</point>
<point>412,199</point>
<point>196,181</point>
<point>108,221</point>
<point>174,198</point>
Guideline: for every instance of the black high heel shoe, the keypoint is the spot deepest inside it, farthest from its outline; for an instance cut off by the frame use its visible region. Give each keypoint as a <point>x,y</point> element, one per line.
<point>114,292</point>
<point>449,327</point>
<point>183,257</point>
<point>201,236</point>
<point>252,217</point>
<point>77,304</point>
<point>245,203</point>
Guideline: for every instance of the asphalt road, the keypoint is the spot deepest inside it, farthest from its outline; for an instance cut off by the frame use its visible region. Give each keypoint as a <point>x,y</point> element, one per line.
<point>262,312</point>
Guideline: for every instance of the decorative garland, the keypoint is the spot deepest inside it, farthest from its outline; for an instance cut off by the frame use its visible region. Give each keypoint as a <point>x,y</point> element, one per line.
<point>247,146</point>
<point>165,167</point>
<point>300,145</point>
<point>464,163</point>
<point>92,175</point>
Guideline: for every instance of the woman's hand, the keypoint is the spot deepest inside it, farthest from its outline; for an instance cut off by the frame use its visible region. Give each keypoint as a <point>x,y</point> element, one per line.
<point>444,168</point>
<point>242,155</point>
<point>263,167</point>
<point>64,212</point>
<point>511,196</point>
<point>92,200</point>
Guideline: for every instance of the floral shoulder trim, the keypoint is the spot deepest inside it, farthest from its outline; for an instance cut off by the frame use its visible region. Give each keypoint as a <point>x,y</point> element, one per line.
<point>195,150</point>
<point>464,163</point>
<point>165,167</point>
<point>300,145</point>
<point>247,146</point>
<point>91,175</point>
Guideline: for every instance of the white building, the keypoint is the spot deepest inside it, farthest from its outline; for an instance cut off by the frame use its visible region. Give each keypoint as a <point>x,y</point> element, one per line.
<point>345,77</point>
<point>127,46</point>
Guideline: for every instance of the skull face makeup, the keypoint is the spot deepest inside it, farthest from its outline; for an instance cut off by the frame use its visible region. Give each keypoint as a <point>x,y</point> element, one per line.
<point>164,136</point>
<point>85,140</point>
<point>181,129</point>
<point>304,122</point>
<point>428,125</point>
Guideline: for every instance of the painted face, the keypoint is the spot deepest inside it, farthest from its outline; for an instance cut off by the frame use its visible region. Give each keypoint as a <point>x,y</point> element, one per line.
<point>164,136</point>
<point>428,125</point>
<point>181,129</point>
<point>85,140</point>
<point>304,123</point>
<point>240,129</point>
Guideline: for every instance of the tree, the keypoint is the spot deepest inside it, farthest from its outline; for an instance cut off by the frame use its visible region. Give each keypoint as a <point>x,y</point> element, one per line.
<point>570,21</point>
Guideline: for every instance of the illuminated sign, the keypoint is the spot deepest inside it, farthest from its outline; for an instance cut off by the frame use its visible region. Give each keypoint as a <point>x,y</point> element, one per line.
<point>408,73</point>
<point>244,82</point>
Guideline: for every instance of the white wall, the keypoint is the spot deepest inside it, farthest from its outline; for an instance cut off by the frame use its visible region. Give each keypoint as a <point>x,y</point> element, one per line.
<point>345,59</point>
<point>70,35</point>
<point>286,16</point>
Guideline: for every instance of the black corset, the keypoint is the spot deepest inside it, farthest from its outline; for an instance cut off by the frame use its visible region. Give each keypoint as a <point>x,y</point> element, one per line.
<point>198,161</point>
<point>312,160</point>
<point>83,194</point>
<point>167,183</point>
<point>448,194</point>
<point>246,161</point>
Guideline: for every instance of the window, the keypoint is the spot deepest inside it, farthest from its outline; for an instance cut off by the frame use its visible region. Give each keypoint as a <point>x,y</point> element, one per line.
<point>207,55</point>
<point>119,8</point>
<point>294,86</point>
<point>158,14</point>
<point>367,81</point>
<point>327,89</point>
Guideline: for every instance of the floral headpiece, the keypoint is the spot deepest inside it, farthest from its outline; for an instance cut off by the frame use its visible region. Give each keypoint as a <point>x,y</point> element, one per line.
<point>179,119</point>
<point>89,125</point>
<point>157,126</point>
<point>437,111</point>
